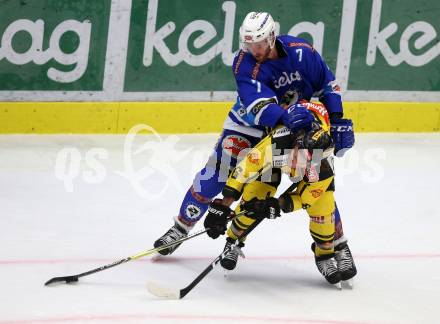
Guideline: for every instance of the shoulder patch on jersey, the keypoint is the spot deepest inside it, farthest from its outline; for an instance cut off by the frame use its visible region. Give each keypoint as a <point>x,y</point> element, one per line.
<point>261,104</point>
<point>296,44</point>
<point>239,60</point>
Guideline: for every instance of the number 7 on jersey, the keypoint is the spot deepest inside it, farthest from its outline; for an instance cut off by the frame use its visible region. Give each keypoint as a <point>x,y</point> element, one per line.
<point>258,85</point>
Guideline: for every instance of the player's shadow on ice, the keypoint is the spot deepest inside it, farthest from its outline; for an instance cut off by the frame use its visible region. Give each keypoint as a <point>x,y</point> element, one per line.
<point>286,282</point>
<point>189,263</point>
<point>250,275</point>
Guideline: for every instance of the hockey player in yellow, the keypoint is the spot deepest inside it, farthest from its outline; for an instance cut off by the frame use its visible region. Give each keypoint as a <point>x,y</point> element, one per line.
<point>307,158</point>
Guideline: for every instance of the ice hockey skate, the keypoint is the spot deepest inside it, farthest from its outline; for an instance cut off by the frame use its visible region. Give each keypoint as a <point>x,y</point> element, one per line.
<point>346,265</point>
<point>328,267</point>
<point>176,232</point>
<point>229,261</point>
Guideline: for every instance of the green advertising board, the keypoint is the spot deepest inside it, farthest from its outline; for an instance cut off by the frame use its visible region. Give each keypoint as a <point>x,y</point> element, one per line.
<point>186,47</point>
<point>396,46</point>
<point>53,45</point>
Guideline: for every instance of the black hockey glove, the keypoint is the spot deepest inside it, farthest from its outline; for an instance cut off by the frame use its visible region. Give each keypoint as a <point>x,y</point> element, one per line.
<point>217,218</point>
<point>259,209</point>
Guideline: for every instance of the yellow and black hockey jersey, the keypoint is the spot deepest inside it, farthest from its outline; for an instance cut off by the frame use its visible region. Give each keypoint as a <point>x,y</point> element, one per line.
<point>284,152</point>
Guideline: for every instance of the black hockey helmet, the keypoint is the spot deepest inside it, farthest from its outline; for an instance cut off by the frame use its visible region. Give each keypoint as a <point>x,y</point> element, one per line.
<point>315,138</point>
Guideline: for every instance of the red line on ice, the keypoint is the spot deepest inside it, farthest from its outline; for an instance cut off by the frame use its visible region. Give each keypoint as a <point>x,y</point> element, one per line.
<point>135,317</point>
<point>183,258</point>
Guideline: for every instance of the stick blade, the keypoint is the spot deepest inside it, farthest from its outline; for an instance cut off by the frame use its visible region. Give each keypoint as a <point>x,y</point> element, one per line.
<point>66,279</point>
<point>163,292</point>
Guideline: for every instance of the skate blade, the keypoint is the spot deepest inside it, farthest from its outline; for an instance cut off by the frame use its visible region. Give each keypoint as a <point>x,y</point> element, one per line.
<point>226,273</point>
<point>347,284</point>
<point>156,257</point>
<point>338,285</point>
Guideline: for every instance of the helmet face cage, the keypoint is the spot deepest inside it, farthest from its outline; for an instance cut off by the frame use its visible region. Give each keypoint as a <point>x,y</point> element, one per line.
<point>314,139</point>
<point>257,28</point>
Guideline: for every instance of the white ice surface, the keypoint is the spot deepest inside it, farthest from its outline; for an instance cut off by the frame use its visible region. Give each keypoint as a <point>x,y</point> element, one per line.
<point>387,190</point>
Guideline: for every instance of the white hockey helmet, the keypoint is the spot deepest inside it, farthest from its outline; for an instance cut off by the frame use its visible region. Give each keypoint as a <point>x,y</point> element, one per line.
<point>257,27</point>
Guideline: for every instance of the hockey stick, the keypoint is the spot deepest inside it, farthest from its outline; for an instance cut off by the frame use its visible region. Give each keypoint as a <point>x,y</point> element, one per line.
<point>163,292</point>
<point>74,278</point>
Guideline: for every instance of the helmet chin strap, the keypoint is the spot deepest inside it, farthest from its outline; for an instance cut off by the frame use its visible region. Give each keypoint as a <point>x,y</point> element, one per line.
<point>266,55</point>
<point>273,54</point>
<point>272,40</point>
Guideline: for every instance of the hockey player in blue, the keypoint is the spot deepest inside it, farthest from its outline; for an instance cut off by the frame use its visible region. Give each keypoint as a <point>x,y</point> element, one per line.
<point>272,73</point>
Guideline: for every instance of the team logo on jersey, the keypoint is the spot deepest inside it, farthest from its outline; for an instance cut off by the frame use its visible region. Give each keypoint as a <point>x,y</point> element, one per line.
<point>289,98</point>
<point>316,192</point>
<point>192,211</point>
<point>234,144</point>
<point>286,79</point>
<point>254,157</point>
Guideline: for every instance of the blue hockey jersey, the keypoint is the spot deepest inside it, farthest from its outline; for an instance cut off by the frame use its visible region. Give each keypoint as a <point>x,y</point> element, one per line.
<point>264,88</point>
